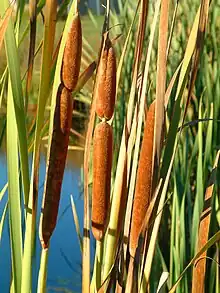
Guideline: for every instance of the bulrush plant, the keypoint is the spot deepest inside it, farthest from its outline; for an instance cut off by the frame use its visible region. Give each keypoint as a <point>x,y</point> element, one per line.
<point>104,104</point>
<point>143,190</point>
<point>61,130</point>
<point>57,151</point>
<point>104,97</point>
<point>105,88</point>
<point>72,55</point>
<point>56,163</point>
<point>102,165</point>
<point>111,270</point>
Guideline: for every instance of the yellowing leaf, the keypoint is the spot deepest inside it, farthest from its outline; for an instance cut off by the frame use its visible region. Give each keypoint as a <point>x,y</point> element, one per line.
<point>4,24</point>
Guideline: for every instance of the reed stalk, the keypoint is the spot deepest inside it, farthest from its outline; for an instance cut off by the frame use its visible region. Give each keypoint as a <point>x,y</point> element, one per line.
<point>42,278</point>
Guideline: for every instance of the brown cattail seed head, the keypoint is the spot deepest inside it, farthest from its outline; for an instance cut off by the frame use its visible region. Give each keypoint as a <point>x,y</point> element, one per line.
<point>102,164</point>
<point>142,195</point>
<point>105,88</point>
<point>56,165</point>
<point>72,55</point>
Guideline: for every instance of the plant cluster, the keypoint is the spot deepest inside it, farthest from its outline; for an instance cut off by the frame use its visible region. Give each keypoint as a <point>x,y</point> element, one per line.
<point>152,160</point>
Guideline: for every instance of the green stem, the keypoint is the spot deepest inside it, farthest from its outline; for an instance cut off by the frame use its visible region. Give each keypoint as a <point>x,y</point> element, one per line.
<point>97,270</point>
<point>42,278</point>
<point>98,264</point>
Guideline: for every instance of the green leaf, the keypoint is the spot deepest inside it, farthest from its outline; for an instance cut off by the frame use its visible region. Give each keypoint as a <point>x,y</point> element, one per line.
<point>14,203</point>
<point>76,221</point>
<point>214,239</point>
<point>2,221</point>
<point>198,205</point>
<point>178,97</point>
<point>18,101</point>
<point>48,46</point>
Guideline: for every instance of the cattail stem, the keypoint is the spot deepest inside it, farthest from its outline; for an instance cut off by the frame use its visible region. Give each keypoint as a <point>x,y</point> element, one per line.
<point>42,278</point>
<point>33,26</point>
<point>129,282</point>
<point>98,264</point>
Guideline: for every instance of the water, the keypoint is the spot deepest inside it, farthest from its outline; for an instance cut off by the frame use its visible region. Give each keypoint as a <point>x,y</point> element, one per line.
<point>64,264</point>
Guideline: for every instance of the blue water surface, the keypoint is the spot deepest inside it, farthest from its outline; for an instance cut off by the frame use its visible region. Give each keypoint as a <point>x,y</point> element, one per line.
<point>64,264</point>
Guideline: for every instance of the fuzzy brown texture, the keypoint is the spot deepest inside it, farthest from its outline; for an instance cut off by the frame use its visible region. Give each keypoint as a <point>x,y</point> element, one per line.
<point>102,164</point>
<point>199,268</point>
<point>142,195</point>
<point>56,164</point>
<point>72,55</point>
<point>105,88</point>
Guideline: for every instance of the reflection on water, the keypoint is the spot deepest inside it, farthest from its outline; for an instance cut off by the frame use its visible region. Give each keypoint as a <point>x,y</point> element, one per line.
<point>64,267</point>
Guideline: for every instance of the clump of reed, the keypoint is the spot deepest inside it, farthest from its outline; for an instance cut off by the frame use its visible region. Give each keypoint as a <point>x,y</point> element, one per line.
<point>142,180</point>
<point>180,222</point>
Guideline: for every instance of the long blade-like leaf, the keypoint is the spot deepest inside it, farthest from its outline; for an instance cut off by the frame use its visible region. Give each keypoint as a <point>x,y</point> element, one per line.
<point>14,194</point>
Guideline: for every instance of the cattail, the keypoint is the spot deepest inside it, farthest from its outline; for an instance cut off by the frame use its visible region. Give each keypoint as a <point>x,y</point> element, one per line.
<point>72,55</point>
<point>142,195</point>
<point>56,163</point>
<point>102,163</point>
<point>105,88</point>
<point>199,268</point>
